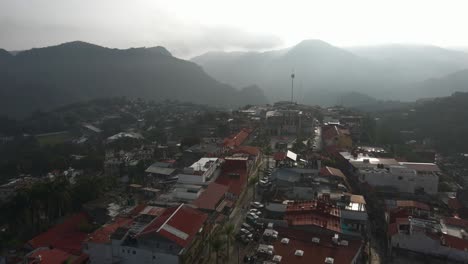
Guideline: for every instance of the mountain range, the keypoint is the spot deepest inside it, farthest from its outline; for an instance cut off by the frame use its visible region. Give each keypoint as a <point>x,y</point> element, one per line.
<point>325,74</point>
<point>366,77</point>
<point>46,78</point>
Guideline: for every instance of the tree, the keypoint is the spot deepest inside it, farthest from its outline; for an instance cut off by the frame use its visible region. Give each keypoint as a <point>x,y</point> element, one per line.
<point>229,233</point>
<point>217,245</point>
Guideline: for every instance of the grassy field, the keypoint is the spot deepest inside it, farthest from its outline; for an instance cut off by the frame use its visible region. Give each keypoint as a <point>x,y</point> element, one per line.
<point>53,138</point>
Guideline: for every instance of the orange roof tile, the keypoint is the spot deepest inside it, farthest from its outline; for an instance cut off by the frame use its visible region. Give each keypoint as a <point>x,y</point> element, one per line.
<point>65,236</point>
<point>211,196</point>
<point>178,224</point>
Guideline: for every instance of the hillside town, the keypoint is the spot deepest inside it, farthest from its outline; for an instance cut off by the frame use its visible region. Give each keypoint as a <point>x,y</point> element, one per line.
<point>282,183</point>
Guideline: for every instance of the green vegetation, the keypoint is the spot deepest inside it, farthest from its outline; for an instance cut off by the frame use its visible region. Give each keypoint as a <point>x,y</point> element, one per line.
<point>25,155</point>
<point>33,210</point>
<point>216,243</point>
<point>228,231</point>
<point>151,73</point>
<point>53,138</point>
<point>439,123</point>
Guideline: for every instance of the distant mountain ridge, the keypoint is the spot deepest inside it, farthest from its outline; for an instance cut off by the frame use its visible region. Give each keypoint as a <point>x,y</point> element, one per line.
<point>327,73</point>
<point>454,82</point>
<point>416,62</point>
<point>45,78</point>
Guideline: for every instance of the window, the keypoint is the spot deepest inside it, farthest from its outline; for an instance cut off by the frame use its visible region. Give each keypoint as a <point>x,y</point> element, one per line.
<point>128,251</point>
<point>134,252</point>
<point>123,250</point>
<point>170,247</point>
<point>154,257</point>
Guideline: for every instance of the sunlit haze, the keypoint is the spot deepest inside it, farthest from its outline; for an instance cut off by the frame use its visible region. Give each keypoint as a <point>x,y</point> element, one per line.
<point>189,28</point>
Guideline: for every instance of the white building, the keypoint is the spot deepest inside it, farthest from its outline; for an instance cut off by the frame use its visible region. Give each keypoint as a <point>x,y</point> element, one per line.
<point>406,177</point>
<point>427,237</point>
<point>400,177</point>
<point>190,184</point>
<point>201,171</point>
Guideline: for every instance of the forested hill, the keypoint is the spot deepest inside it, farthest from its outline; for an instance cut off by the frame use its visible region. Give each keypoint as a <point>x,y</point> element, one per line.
<point>45,78</point>
<point>442,120</point>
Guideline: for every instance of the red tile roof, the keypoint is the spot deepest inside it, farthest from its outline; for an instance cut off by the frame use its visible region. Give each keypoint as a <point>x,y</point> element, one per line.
<point>56,256</point>
<point>235,184</point>
<point>210,198</point>
<point>453,221</point>
<point>313,213</point>
<point>250,150</point>
<point>397,213</point>
<point>102,235</point>
<point>178,224</point>
<point>454,204</point>
<point>237,139</point>
<point>234,175</point>
<point>279,156</point>
<point>65,236</point>
<point>455,242</point>
<point>392,229</point>
<point>313,252</point>
<point>329,132</point>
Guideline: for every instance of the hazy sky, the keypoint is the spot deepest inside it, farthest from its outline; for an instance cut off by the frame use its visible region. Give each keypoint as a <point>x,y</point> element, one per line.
<point>192,27</point>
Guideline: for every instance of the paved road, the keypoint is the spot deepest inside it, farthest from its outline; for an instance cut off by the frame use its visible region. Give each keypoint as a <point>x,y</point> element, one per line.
<point>237,217</point>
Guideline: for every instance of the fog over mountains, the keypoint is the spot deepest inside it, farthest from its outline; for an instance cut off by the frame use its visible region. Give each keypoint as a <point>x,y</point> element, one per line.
<point>45,78</point>
<point>326,74</point>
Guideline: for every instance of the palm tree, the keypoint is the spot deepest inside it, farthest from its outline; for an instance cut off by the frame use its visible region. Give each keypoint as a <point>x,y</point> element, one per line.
<point>229,233</point>
<point>217,244</point>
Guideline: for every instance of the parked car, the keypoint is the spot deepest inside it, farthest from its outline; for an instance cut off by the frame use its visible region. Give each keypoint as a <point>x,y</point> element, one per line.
<point>244,231</point>
<point>257,205</point>
<point>259,225</point>
<point>255,211</point>
<point>255,216</point>
<point>244,239</point>
<point>250,219</point>
<point>248,227</point>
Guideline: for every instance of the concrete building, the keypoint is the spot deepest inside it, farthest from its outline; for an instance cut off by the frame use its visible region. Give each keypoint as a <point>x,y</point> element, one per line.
<point>299,247</point>
<point>390,175</point>
<point>284,122</point>
<point>401,178</point>
<point>158,235</point>
<point>429,237</point>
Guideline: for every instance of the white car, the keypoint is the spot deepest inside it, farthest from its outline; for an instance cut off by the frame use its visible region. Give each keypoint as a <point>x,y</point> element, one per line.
<point>255,211</point>
<point>256,205</point>
<point>254,216</point>
<point>244,231</point>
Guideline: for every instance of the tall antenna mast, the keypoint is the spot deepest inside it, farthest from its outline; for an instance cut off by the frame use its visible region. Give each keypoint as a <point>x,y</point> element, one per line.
<point>292,86</point>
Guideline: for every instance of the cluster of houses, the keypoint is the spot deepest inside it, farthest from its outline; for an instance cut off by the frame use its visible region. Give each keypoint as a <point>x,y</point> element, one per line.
<point>416,219</point>
<point>312,205</point>
<point>179,205</point>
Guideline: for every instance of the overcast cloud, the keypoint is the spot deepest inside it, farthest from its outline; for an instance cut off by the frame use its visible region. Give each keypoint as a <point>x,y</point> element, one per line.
<point>188,28</point>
